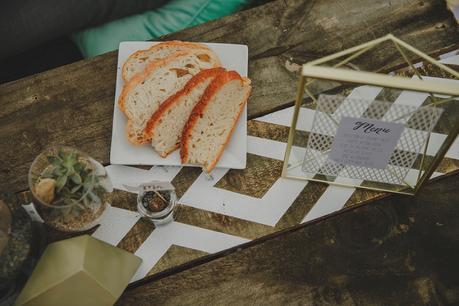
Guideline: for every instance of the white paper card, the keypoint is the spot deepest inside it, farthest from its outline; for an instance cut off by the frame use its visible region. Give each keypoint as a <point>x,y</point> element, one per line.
<point>32,212</point>
<point>365,142</point>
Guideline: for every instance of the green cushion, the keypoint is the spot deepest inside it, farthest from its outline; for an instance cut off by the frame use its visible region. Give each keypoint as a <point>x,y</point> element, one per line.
<point>174,16</point>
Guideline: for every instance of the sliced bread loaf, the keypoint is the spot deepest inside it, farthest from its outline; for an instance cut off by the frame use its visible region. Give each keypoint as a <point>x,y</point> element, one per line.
<point>142,95</point>
<point>213,120</point>
<point>139,60</point>
<point>166,125</point>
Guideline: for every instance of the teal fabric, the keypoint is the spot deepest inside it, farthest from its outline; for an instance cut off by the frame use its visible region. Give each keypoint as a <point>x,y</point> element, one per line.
<point>174,16</point>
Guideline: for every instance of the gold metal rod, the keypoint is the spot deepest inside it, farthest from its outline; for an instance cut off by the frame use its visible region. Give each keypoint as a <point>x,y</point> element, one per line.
<point>412,66</point>
<point>343,62</point>
<point>353,56</point>
<point>306,90</point>
<point>438,157</point>
<point>407,60</point>
<point>424,56</point>
<point>291,134</point>
<point>424,153</point>
<point>377,79</point>
<point>315,101</point>
<point>350,50</point>
<point>438,102</point>
<point>400,178</point>
<point>350,185</point>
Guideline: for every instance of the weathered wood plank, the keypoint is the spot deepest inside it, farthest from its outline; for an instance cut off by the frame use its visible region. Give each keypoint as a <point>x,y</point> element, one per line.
<point>299,31</point>
<point>73,104</point>
<point>398,251</point>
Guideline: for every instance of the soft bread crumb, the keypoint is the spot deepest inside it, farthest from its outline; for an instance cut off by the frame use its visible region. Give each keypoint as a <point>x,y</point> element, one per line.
<point>142,96</point>
<point>137,62</point>
<point>213,120</point>
<point>166,125</point>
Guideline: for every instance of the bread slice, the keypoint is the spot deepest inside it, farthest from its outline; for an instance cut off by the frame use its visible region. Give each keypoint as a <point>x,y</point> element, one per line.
<point>213,120</point>
<point>166,125</point>
<point>139,60</point>
<point>142,95</point>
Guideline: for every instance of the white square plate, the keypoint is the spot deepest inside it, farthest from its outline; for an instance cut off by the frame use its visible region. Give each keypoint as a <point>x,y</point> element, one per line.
<point>233,57</point>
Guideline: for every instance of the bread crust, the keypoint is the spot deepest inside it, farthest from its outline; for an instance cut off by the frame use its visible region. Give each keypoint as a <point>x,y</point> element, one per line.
<point>140,77</point>
<point>151,66</point>
<point>132,83</point>
<point>199,109</point>
<point>222,149</point>
<point>152,49</point>
<point>174,99</point>
<point>128,86</point>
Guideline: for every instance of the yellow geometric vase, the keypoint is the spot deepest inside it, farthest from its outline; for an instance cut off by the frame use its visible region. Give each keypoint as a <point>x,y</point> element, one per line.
<point>79,271</point>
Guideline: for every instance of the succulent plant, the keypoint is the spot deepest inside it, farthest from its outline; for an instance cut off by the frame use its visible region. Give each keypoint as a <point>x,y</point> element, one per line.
<point>75,184</point>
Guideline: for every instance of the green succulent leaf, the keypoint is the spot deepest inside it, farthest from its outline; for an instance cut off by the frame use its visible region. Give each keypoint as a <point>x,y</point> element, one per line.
<point>76,178</point>
<point>75,181</point>
<point>72,157</point>
<point>48,173</point>
<point>88,183</point>
<point>79,167</point>
<point>54,160</point>
<point>69,164</point>
<point>58,171</point>
<point>60,182</point>
<point>61,154</point>
<point>69,170</point>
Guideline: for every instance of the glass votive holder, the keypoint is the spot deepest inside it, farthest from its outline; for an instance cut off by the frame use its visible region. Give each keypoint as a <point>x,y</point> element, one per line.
<point>156,201</point>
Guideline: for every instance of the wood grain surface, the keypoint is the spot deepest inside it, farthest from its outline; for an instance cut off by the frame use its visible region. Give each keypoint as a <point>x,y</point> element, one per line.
<point>397,251</point>
<point>73,104</point>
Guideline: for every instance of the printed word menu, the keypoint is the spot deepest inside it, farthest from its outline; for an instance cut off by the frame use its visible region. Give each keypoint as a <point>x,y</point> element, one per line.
<point>365,142</point>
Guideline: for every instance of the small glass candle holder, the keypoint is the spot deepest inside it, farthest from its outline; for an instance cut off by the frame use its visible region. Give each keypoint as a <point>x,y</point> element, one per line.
<point>156,201</point>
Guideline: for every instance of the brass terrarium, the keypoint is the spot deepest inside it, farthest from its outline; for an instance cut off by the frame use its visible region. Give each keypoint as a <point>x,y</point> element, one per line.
<point>419,104</point>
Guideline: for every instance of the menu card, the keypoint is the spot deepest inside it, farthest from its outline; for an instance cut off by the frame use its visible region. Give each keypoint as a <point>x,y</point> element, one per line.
<point>365,142</point>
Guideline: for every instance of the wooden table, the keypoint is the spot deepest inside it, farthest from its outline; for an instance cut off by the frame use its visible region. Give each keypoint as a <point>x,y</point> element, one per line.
<point>398,250</point>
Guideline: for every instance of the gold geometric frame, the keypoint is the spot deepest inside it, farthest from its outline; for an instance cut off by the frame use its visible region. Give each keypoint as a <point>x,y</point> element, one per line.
<point>315,70</point>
